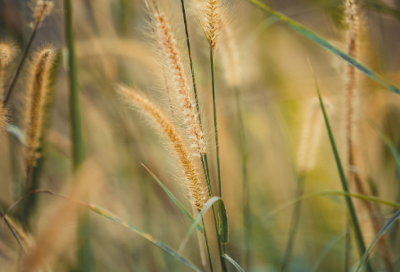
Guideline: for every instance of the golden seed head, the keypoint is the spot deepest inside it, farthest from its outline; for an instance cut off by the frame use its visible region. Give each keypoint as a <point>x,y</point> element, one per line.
<point>193,182</point>
<point>7,52</point>
<point>211,21</point>
<point>43,8</point>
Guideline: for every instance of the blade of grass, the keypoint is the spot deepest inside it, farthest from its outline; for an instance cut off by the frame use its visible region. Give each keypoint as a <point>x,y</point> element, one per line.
<point>233,262</point>
<point>109,215</point>
<point>15,131</point>
<point>209,204</point>
<point>350,205</point>
<point>14,232</point>
<point>324,43</point>
<point>385,228</point>
<point>85,252</point>
<point>175,200</point>
<point>327,249</point>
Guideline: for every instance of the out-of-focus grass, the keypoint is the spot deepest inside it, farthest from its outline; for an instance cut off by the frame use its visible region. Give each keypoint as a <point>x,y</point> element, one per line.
<point>112,47</point>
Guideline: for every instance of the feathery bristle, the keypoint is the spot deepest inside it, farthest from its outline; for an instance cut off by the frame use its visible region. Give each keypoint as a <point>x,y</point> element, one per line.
<point>211,21</point>
<point>176,76</point>
<point>43,8</point>
<point>37,91</point>
<point>193,182</point>
<point>311,135</point>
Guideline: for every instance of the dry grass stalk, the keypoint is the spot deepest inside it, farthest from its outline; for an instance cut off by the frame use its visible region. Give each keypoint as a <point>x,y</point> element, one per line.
<point>193,181</point>
<point>351,80</point>
<point>175,74</point>
<point>311,135</point>
<point>211,21</point>
<point>37,90</point>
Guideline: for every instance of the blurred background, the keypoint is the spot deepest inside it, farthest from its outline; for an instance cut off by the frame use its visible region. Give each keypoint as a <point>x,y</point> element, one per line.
<point>277,85</point>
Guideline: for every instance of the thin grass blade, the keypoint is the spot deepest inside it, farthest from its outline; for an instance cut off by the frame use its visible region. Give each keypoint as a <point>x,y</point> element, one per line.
<point>208,205</point>
<point>176,201</point>
<point>233,262</point>
<point>385,228</point>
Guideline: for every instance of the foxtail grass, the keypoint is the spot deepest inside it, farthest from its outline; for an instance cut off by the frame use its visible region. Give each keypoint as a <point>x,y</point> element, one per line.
<point>42,9</point>
<point>37,91</point>
<point>352,100</point>
<point>193,182</point>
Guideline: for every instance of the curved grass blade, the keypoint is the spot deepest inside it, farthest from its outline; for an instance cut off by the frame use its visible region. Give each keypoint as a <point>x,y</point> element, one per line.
<point>112,217</point>
<point>208,205</point>
<point>223,223</point>
<point>332,193</point>
<point>350,206</point>
<point>233,262</point>
<point>175,200</point>
<point>15,131</point>
<point>385,228</point>
<point>145,235</point>
<point>324,43</point>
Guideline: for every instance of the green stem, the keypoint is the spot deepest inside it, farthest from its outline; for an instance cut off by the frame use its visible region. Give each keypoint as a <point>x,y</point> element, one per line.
<point>204,159</point>
<point>85,252</point>
<point>215,119</point>
<point>208,249</point>
<point>295,223</point>
<point>245,187</point>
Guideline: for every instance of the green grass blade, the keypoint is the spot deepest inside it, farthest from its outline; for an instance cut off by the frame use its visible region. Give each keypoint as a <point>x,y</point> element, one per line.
<point>223,223</point>
<point>385,228</point>
<point>350,206</point>
<point>324,43</point>
<point>145,235</point>
<point>327,249</point>
<point>233,262</point>
<point>176,201</point>
<point>208,205</point>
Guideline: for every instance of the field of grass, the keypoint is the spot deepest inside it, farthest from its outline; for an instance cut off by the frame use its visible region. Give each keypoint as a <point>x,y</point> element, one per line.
<point>199,135</point>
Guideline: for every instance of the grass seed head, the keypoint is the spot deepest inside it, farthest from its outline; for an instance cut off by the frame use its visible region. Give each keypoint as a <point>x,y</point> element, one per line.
<point>37,91</point>
<point>193,182</point>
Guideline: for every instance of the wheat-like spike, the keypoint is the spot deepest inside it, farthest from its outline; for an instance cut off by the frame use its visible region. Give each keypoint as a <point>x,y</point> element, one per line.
<point>37,91</point>
<point>42,9</point>
<point>351,80</point>
<point>211,21</point>
<point>194,183</point>
<point>175,72</point>
<point>311,135</point>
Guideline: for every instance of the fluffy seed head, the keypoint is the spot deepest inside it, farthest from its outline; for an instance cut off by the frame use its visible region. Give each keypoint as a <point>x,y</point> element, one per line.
<point>311,135</point>
<point>175,74</point>
<point>193,182</point>
<point>42,9</point>
<point>211,21</point>
<point>7,52</point>
<point>37,91</point>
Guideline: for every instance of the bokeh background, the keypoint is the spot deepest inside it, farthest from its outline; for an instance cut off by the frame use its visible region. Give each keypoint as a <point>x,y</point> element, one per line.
<point>277,85</point>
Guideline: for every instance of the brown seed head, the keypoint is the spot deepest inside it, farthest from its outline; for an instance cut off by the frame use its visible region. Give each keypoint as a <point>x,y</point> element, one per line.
<point>211,21</point>
<point>43,8</point>
<point>37,90</point>
<point>193,182</point>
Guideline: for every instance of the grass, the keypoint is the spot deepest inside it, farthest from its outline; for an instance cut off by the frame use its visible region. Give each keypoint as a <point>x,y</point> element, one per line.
<point>212,144</point>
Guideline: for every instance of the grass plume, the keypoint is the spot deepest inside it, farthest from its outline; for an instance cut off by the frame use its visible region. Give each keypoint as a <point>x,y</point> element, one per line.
<point>37,89</point>
<point>193,181</point>
<point>211,21</point>
<point>351,81</point>
<point>42,9</point>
